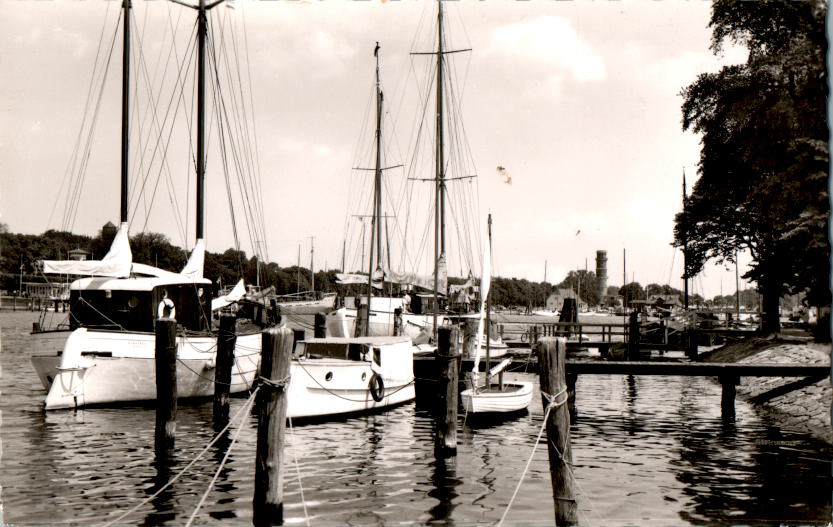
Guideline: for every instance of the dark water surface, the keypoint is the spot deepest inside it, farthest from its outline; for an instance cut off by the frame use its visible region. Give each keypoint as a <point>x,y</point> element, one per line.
<point>647,451</point>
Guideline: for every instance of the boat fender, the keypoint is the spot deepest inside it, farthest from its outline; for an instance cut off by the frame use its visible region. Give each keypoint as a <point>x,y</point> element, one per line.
<point>377,388</point>
<point>166,309</point>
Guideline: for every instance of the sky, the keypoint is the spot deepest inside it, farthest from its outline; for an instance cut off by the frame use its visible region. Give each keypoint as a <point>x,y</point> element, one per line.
<point>578,101</point>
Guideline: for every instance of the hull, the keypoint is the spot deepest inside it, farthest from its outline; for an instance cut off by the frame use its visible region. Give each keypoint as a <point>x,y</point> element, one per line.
<point>515,397</point>
<point>326,386</point>
<point>307,307</point>
<point>109,367</point>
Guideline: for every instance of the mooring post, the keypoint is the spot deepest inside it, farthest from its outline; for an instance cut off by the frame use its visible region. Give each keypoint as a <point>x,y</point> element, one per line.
<point>446,410</point>
<point>691,350</point>
<point>727,398</point>
<point>552,353</point>
<point>276,354</point>
<point>361,329</point>
<point>397,322</point>
<point>165,360</point>
<point>226,340</point>
<point>320,328</point>
<point>633,336</point>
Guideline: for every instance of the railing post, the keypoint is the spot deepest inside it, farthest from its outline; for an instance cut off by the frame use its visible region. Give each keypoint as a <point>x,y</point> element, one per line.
<point>165,362</point>
<point>276,353</point>
<point>633,336</point>
<point>552,354</point>
<point>361,329</point>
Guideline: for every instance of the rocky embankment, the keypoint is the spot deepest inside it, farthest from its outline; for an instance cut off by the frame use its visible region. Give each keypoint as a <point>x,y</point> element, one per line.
<point>806,409</point>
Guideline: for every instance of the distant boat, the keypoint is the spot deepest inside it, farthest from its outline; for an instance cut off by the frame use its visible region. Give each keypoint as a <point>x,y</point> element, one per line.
<point>105,354</point>
<point>306,303</point>
<point>503,397</point>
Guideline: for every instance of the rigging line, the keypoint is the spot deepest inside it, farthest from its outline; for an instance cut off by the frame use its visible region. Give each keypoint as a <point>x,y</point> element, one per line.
<point>298,471</point>
<point>249,404</point>
<point>164,147</point>
<point>159,128</point>
<point>88,148</point>
<point>223,156</point>
<point>242,412</point>
<point>67,171</point>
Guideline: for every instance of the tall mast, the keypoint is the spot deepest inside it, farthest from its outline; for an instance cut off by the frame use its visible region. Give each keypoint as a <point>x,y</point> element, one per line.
<point>488,308</point>
<point>125,111</point>
<point>311,262</point>
<point>376,220</point>
<point>439,174</point>
<point>202,30</point>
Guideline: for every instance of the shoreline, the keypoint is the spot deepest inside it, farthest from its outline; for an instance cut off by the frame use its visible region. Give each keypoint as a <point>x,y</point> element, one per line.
<point>806,409</point>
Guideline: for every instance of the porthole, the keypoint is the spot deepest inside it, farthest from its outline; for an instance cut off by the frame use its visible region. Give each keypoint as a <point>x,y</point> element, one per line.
<point>364,375</point>
<point>329,376</point>
<point>49,378</point>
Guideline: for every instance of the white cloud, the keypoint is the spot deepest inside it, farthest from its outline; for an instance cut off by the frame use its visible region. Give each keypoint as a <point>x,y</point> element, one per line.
<point>549,40</point>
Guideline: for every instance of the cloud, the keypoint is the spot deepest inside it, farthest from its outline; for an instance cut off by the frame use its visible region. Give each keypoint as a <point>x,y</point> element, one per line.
<point>549,40</point>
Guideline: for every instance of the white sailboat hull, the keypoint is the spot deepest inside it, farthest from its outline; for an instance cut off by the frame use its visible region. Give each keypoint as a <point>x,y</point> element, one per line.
<point>515,397</point>
<point>110,367</point>
<point>329,386</point>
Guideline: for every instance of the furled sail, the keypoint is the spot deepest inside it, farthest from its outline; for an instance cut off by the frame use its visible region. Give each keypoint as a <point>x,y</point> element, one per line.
<point>116,263</point>
<point>234,295</point>
<point>424,281</point>
<point>485,284</point>
<point>193,269</point>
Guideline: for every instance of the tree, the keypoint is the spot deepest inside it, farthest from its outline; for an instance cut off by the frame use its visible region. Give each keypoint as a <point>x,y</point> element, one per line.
<point>764,155</point>
<point>630,292</point>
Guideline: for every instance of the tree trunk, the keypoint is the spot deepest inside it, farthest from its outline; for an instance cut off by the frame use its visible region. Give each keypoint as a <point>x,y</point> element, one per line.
<point>770,312</point>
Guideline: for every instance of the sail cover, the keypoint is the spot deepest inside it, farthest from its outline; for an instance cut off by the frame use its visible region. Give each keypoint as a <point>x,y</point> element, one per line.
<point>193,269</point>
<point>421,280</point>
<point>234,295</point>
<point>116,263</point>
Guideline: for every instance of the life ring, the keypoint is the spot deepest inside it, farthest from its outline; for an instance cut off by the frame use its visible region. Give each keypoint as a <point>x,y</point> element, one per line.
<point>377,388</point>
<point>166,309</point>
<point>525,336</point>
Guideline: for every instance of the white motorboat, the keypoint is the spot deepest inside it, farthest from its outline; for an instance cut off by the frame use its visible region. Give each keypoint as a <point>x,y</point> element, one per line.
<point>333,376</point>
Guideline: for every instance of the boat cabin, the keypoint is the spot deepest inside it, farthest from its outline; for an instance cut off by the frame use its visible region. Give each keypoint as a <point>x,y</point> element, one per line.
<point>134,304</point>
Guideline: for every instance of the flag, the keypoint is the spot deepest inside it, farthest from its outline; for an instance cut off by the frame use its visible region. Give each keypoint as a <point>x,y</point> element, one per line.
<point>504,174</point>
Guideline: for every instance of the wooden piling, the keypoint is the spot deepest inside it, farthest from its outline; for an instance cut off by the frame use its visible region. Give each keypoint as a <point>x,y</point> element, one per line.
<point>633,336</point>
<point>469,338</point>
<point>572,379</point>
<point>446,409</point>
<point>165,361</point>
<point>552,353</point>
<point>320,328</point>
<point>226,340</point>
<point>397,322</point>
<point>361,329</point>
<point>727,398</point>
<point>276,354</point>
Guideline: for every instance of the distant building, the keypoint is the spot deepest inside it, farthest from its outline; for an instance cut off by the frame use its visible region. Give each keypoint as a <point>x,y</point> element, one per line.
<point>664,301</point>
<point>78,254</point>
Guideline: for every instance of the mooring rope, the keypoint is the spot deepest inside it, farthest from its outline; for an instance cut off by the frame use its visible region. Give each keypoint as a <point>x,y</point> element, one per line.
<point>246,407</point>
<point>298,471</point>
<point>551,403</point>
<point>189,465</point>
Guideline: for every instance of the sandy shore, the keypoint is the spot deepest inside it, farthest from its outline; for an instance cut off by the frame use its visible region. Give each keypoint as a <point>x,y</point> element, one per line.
<point>806,409</point>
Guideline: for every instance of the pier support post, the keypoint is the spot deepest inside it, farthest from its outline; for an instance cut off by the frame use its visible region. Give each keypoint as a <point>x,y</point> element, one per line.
<point>633,336</point>
<point>320,328</point>
<point>276,354</point>
<point>446,410</point>
<point>691,350</point>
<point>397,322</point>
<point>361,329</point>
<point>226,340</point>
<point>727,397</point>
<point>572,378</point>
<point>552,353</point>
<point>469,338</point>
<point>165,361</point>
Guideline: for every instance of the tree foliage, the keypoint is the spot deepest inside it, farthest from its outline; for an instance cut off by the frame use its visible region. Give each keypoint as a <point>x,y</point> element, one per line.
<point>764,155</point>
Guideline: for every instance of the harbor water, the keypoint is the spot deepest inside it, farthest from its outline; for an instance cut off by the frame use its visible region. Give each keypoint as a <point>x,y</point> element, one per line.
<point>647,451</point>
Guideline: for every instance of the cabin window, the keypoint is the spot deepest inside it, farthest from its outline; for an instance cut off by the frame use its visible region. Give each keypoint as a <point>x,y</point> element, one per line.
<point>111,309</point>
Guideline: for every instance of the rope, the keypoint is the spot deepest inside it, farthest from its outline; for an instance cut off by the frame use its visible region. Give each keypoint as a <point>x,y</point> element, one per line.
<point>188,466</point>
<point>298,471</point>
<point>246,407</point>
<point>279,384</point>
<point>551,403</point>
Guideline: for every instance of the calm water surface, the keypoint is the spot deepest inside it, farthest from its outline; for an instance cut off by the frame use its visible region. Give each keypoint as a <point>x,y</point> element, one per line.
<point>647,451</point>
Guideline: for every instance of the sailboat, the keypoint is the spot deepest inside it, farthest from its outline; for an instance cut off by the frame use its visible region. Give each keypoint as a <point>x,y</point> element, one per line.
<point>105,354</point>
<point>421,312</point>
<point>338,375</point>
<point>505,396</point>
